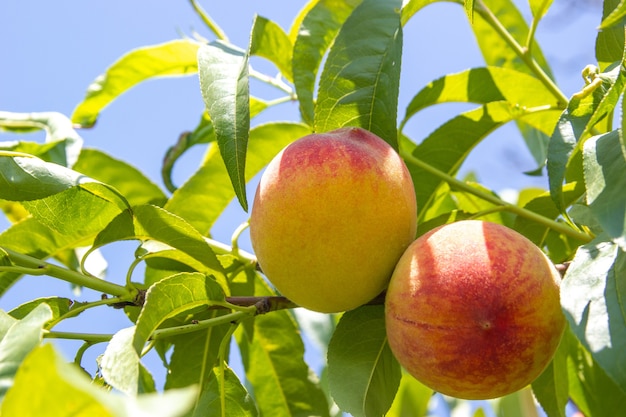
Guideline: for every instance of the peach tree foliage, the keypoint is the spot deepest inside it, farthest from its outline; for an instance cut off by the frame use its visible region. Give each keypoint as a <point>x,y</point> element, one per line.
<point>341,62</point>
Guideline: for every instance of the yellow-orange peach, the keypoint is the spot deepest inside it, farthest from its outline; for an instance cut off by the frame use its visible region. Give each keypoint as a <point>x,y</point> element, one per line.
<point>473,310</point>
<point>332,215</point>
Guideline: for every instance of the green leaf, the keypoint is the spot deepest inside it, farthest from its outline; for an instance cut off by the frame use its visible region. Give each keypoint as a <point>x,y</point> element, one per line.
<point>359,85</point>
<point>58,305</point>
<point>483,85</point>
<point>495,49</point>
<point>616,16</point>
<point>319,26</point>
<point>63,144</point>
<point>544,205</point>
<point>172,296</point>
<point>18,341</point>
<point>590,295</point>
<point>269,40</point>
<point>468,5</point>
<point>120,362</point>
<point>174,58</point>
<point>411,400</point>
<point>195,355</point>
<point>551,387</point>
<point>363,373</point>
<point>223,72</point>
<point>207,193</point>
<point>605,177</point>
<point>272,352</point>
<point>572,125</point>
<point>237,401</point>
<point>587,380</point>
<point>151,222</point>
<point>610,40</point>
<point>63,390</point>
<point>539,8</point>
<point>128,180</point>
<point>448,146</point>
<point>32,238</point>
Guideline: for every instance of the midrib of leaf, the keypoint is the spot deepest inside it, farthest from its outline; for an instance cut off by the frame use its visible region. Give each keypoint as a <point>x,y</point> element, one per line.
<point>372,373</point>
<point>376,83</point>
<point>276,378</point>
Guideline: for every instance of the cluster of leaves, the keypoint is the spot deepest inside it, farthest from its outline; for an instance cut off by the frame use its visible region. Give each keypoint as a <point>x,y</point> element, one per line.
<point>341,62</point>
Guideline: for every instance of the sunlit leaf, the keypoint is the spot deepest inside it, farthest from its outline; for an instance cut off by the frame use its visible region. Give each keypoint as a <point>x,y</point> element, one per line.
<point>62,141</point>
<point>448,146</point>
<point>615,17</point>
<point>172,58</point>
<point>63,390</point>
<point>587,379</point>
<point>610,40</point>
<point>319,26</point>
<point>269,40</point>
<point>539,8</point>
<point>363,373</point>
<point>58,305</point>
<point>128,180</point>
<point>223,72</point>
<point>151,222</point>
<point>172,296</point>
<point>484,85</point>
<point>412,398</point>
<point>18,341</point>
<point>205,195</point>
<point>359,85</point>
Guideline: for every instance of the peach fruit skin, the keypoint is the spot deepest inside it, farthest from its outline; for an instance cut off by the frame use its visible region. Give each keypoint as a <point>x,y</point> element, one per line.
<point>332,215</point>
<point>473,310</point>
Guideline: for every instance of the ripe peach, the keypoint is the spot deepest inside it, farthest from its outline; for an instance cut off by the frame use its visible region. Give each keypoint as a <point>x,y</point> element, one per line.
<point>332,215</point>
<point>473,310</point>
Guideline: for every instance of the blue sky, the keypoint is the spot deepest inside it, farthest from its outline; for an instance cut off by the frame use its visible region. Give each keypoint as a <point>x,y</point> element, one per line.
<point>51,52</point>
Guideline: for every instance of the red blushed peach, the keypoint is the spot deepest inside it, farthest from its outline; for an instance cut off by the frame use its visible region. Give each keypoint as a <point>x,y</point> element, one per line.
<point>473,310</point>
<point>332,215</point>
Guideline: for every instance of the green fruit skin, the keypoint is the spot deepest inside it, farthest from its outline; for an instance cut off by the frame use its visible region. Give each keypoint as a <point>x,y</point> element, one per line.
<point>332,215</point>
<point>473,310</point>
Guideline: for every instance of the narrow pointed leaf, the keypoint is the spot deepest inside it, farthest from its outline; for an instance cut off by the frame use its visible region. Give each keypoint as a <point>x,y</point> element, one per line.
<point>583,111</point>
<point>360,82</point>
<point>269,40</point>
<point>318,29</point>
<point>172,296</point>
<point>58,305</point>
<point>363,373</point>
<point>151,222</point>
<point>483,85</point>
<point>205,195</point>
<point>223,72</point>
<point>551,388</point>
<point>237,402</point>
<point>195,354</point>
<point>539,8</point>
<point>272,352</point>
<point>615,17</point>
<point>59,131</point>
<point>448,146</point>
<point>128,180</point>
<point>610,40</point>
<point>172,58</point>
